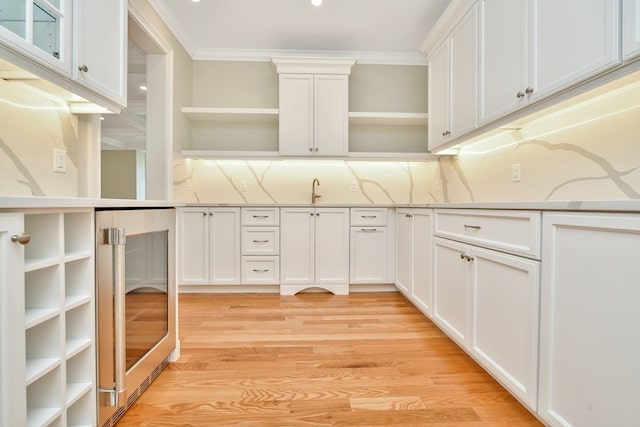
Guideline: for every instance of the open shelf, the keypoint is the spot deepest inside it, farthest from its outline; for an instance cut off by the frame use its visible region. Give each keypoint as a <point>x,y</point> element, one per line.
<point>231,114</point>
<point>44,399</point>
<point>383,118</point>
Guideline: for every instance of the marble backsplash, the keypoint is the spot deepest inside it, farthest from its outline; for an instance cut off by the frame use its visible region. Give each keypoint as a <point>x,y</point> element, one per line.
<point>31,126</point>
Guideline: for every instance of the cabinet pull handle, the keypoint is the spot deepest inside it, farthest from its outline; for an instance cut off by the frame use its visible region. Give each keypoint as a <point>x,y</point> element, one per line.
<point>369,230</point>
<point>475,227</point>
<point>83,68</point>
<point>528,90</point>
<point>260,241</point>
<point>368,216</point>
<point>22,238</point>
<point>520,95</point>
<point>261,216</point>
<point>264,270</point>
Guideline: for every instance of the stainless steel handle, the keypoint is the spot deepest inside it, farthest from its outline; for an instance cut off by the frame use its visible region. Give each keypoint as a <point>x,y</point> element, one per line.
<point>83,68</point>
<point>528,90</point>
<point>264,270</point>
<point>369,230</point>
<point>475,227</point>
<point>261,216</point>
<point>260,241</point>
<point>22,238</point>
<point>520,94</point>
<point>368,216</point>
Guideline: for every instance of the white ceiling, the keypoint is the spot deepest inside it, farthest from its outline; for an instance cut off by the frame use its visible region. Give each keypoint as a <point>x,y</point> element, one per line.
<point>374,31</point>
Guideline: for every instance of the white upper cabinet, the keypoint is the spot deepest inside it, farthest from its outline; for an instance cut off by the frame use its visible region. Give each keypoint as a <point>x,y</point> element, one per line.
<point>101,48</point>
<point>38,30</point>
<point>572,40</point>
<point>313,106</point>
<point>630,29</point>
<point>504,57</point>
<point>454,83</point>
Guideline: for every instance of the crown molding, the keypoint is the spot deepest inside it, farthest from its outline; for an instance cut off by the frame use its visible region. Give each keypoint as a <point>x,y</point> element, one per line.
<point>443,26</point>
<point>265,55</point>
<point>174,26</point>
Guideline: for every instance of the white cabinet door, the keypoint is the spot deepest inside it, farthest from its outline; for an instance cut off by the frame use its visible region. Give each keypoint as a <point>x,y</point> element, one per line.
<point>422,243</point>
<point>297,244</point>
<point>589,336</point>
<point>296,115</point>
<point>404,251</point>
<point>572,40</point>
<point>331,115</point>
<point>630,29</point>
<point>332,246</point>
<point>451,288</point>
<point>504,319</point>
<point>439,84</point>
<point>13,403</point>
<point>193,246</point>
<point>464,74</point>
<point>100,61</point>
<point>369,247</point>
<point>224,246</point>
<point>504,57</point>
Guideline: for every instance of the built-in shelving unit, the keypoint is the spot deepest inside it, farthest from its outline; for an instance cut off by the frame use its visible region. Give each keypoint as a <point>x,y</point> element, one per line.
<point>57,353</point>
<point>384,118</point>
<point>231,114</point>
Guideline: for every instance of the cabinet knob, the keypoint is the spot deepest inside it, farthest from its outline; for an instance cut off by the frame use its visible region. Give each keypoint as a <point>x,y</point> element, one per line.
<point>446,133</point>
<point>83,68</point>
<point>528,90</point>
<point>22,238</point>
<point>520,94</point>
<point>210,213</point>
<point>204,214</point>
<point>310,149</point>
<point>316,149</point>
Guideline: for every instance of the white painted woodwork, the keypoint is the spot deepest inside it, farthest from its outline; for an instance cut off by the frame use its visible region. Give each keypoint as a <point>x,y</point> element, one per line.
<point>630,29</point>
<point>505,293</point>
<point>369,217</point>
<point>209,246</point>
<point>47,318</point>
<point>260,216</point>
<point>504,57</point>
<point>451,294</point>
<point>369,254</point>
<point>211,114</point>
<point>385,118</point>
<point>589,349</point>
<point>413,256</point>
<point>314,246</point>
<point>571,41</point>
<point>260,240</point>
<point>260,270</point>
<point>314,115</point>
<point>453,83</point>
<point>100,44</point>
<point>517,232</point>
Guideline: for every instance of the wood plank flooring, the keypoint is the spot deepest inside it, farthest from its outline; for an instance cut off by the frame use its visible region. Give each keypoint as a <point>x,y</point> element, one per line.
<point>315,359</point>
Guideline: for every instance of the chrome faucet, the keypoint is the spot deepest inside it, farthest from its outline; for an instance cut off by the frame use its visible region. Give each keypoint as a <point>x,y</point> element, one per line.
<point>314,196</point>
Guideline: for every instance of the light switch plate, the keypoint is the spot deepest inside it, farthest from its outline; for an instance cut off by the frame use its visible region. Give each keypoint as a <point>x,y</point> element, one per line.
<point>59,160</point>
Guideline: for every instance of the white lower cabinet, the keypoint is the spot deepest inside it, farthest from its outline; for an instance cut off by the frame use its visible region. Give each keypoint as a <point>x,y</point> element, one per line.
<point>260,246</point>
<point>372,254</point>
<point>314,249</point>
<point>208,246</point>
<point>488,300</point>
<point>413,255</point>
<point>589,340</point>
<point>47,318</point>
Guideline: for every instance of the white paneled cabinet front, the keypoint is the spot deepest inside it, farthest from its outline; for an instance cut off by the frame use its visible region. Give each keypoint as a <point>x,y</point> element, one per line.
<point>314,247</point>
<point>413,256</point>
<point>630,29</point>
<point>209,246</point>
<point>453,75</point>
<point>314,115</point>
<point>100,60</point>
<point>369,255</point>
<point>589,337</point>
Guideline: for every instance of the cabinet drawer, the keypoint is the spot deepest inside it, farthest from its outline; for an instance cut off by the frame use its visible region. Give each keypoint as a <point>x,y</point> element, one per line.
<point>260,270</point>
<point>260,216</point>
<point>368,217</point>
<point>260,240</point>
<point>517,232</point>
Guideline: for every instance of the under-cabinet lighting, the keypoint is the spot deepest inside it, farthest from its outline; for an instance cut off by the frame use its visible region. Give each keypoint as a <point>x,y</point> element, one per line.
<point>316,2</point>
<point>33,107</point>
<point>143,87</point>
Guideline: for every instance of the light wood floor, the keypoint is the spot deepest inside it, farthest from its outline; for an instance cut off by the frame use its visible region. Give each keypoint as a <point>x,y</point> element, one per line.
<point>319,360</point>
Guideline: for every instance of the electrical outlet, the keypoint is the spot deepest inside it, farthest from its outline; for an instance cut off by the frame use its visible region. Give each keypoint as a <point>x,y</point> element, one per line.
<point>516,172</point>
<point>354,185</point>
<point>243,185</point>
<point>59,160</point>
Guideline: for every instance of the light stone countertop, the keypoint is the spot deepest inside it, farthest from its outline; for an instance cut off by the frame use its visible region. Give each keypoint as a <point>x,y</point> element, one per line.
<point>29,202</point>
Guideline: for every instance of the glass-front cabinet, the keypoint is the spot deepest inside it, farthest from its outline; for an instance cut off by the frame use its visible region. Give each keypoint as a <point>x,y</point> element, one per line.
<point>39,29</point>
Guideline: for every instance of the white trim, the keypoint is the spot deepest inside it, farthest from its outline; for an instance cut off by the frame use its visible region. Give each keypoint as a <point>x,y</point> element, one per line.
<point>313,65</point>
<point>174,25</point>
<point>148,28</point>
<point>265,55</point>
<point>443,26</point>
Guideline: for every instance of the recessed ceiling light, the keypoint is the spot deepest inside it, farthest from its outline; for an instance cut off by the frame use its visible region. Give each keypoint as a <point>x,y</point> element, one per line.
<point>196,1</point>
<point>316,2</point>
<point>143,87</point>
